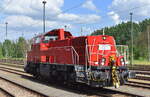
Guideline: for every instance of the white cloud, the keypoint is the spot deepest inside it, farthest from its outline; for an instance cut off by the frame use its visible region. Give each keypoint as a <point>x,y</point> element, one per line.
<point>140,8</point>
<point>90,18</point>
<point>115,17</point>
<point>53,10</point>
<point>21,23</point>
<point>34,10</point>
<point>87,31</point>
<point>26,15</point>
<point>32,7</point>
<point>25,22</point>
<point>68,17</point>
<point>90,5</point>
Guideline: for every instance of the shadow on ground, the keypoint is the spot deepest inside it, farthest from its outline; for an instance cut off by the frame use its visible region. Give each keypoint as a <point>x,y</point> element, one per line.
<point>76,88</point>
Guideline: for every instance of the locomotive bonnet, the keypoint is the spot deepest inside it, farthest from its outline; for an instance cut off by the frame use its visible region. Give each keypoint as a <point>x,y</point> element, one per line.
<point>93,60</point>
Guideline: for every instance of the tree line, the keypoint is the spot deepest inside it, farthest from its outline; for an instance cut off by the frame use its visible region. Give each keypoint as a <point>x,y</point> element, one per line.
<point>14,49</point>
<point>122,35</point>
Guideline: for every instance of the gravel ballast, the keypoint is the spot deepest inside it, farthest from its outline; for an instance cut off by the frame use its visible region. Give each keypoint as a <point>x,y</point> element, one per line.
<point>16,90</point>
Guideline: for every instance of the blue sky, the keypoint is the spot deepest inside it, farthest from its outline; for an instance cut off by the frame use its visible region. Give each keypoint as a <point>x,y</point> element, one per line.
<point>24,17</point>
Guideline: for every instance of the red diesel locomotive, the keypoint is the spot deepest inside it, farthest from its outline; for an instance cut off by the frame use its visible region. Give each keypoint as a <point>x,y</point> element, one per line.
<point>93,60</point>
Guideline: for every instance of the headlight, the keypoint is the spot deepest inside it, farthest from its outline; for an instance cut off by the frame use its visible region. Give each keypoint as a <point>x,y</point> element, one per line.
<point>122,61</point>
<point>102,62</point>
<point>104,37</point>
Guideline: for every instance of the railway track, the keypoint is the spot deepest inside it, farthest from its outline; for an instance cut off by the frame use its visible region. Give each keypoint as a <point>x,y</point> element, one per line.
<point>12,61</point>
<point>143,75</point>
<point>15,90</point>
<point>140,67</point>
<point>18,72</point>
<point>88,90</point>
<point>140,74</point>
<point>20,64</point>
<point>138,85</point>
<point>142,82</point>
<point>5,93</point>
<point>12,65</point>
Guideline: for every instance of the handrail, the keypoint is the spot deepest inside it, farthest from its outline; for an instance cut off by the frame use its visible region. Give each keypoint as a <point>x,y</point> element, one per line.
<point>76,54</point>
<point>123,52</point>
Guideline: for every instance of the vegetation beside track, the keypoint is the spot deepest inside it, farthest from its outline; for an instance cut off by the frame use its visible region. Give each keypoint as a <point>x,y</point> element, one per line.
<point>17,59</point>
<point>14,49</point>
<point>141,62</point>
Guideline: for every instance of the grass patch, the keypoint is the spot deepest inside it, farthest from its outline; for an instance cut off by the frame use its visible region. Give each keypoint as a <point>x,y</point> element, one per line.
<point>141,62</point>
<point>13,59</point>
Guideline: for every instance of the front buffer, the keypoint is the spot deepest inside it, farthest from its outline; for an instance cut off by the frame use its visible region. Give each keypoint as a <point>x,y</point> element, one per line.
<point>103,76</point>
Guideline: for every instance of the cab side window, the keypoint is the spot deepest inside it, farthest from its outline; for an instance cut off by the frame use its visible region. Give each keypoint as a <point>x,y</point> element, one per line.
<point>49,38</point>
<point>46,39</point>
<point>37,40</point>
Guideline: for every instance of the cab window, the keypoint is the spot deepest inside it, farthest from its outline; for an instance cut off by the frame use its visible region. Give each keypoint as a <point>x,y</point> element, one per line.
<point>37,40</point>
<point>49,38</point>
